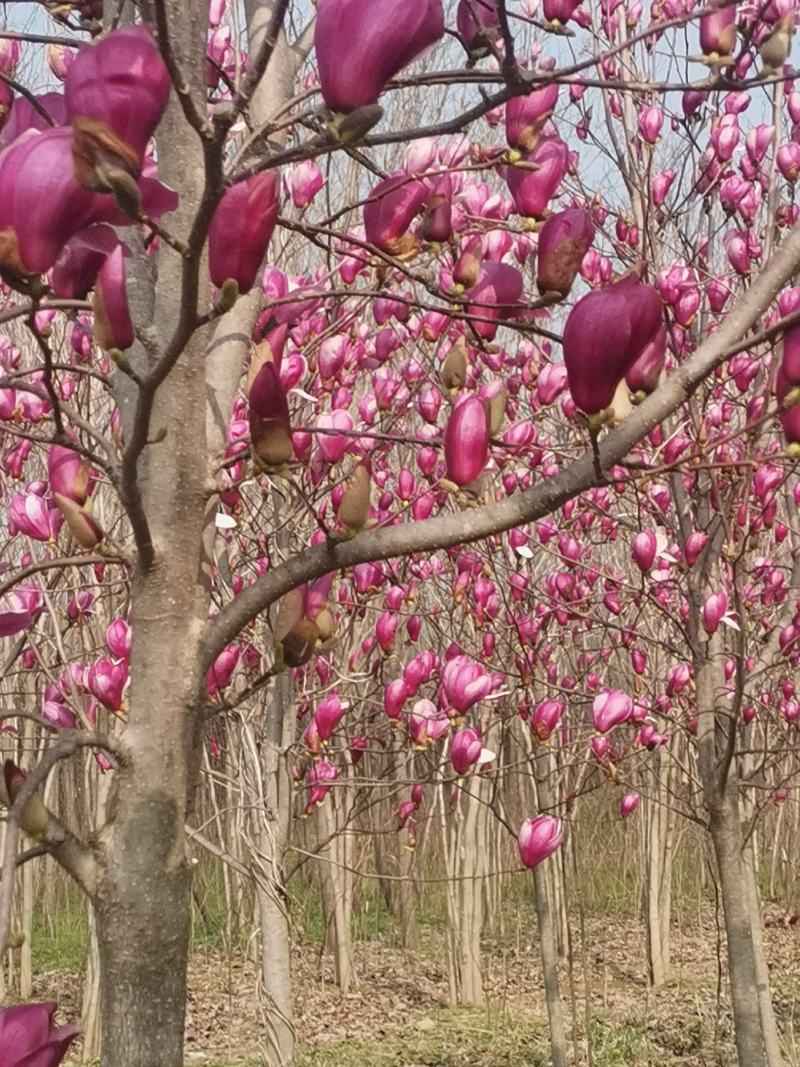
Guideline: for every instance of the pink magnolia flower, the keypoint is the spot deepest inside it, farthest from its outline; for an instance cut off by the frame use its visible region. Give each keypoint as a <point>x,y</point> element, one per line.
<point>715,607</point>
<point>362,44</point>
<point>539,838</point>
<point>651,119</point>
<point>31,514</point>
<point>649,737</point>
<point>695,543</point>
<point>328,714</point>
<point>18,610</point>
<point>334,446</point>
<point>643,549</point>
<point>466,441</point>
<point>24,116</point>
<point>718,31</point>
<point>319,779</point>
<point>305,182</point>
<point>426,723</point>
<point>477,21</point>
<point>465,750</point>
<point>69,473</point>
<point>221,670</point>
<point>394,697</point>
<point>533,186</point>
<point>551,383</point>
<point>389,211</point>
<point>106,680</point>
<point>496,296</point>
<point>560,10</point>
<point>28,1037</point>
<point>268,417</point>
<point>660,186</point>
<point>116,92</point>
<point>611,708</point>
<point>76,269</point>
<point>526,115</point>
<point>113,326</point>
<point>628,804</point>
<point>465,683</point>
<point>42,206</point>
<point>788,160</point>
<point>546,717</point>
<point>241,228</point>
<point>118,639</point>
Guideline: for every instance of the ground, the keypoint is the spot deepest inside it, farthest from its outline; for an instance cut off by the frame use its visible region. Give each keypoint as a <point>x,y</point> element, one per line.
<point>398,1015</point>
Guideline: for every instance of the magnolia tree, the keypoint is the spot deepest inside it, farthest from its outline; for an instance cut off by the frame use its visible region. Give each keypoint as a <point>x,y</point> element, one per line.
<point>292,291</point>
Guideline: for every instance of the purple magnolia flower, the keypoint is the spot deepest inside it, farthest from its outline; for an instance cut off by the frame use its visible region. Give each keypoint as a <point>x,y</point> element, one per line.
<point>113,327</point>
<point>29,1039</point>
<point>604,335</point>
<point>362,44</point>
<point>42,206</point>
<point>241,229</point>
<point>24,116</point>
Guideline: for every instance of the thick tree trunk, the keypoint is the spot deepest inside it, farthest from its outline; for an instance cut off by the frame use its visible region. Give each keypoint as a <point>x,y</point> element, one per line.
<point>143,891</point>
<point>143,936</point>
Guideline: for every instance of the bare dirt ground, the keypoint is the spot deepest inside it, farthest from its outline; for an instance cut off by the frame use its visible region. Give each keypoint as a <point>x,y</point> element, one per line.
<point>401,993</point>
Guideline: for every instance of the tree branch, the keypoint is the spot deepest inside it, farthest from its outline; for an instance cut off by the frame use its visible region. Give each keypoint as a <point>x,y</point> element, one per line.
<point>535,503</point>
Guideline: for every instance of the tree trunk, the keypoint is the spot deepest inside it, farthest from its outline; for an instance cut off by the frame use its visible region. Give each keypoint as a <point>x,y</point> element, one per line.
<point>727,837</point>
<point>142,896</point>
<point>143,938</point>
<point>718,769</point>
<point>768,1021</point>
<point>547,948</point>
<point>275,819</point>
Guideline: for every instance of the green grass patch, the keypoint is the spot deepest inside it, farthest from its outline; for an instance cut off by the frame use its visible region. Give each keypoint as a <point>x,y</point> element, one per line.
<point>60,944</point>
<point>457,1038</point>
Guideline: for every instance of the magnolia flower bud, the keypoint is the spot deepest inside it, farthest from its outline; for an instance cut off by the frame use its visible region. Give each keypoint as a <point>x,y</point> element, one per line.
<point>353,511</point>
<point>241,229</point>
<point>466,442</point>
<point>774,49</point>
<point>35,818</point>
<point>362,44</point>
<point>564,240</point>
